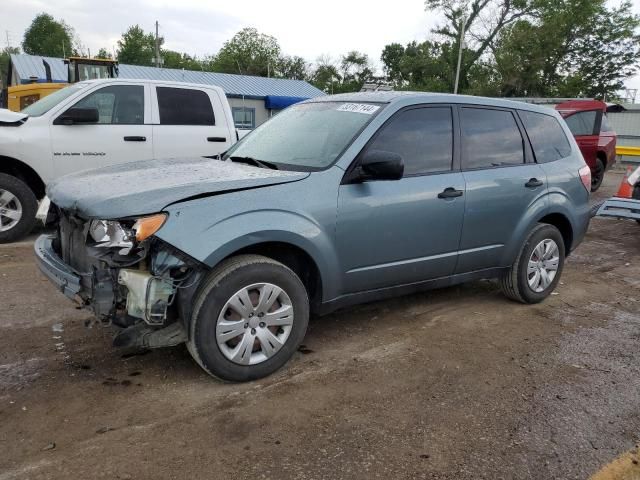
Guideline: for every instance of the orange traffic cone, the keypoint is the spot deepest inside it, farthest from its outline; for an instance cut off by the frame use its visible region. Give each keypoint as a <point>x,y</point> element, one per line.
<point>626,189</point>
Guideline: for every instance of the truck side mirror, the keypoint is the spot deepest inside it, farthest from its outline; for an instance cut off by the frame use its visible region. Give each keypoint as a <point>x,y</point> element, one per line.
<point>76,115</point>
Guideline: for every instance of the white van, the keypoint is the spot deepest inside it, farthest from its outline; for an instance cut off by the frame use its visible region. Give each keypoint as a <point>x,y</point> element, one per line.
<point>102,122</point>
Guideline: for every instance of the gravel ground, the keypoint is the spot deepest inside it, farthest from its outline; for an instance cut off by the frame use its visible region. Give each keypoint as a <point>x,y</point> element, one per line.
<point>457,383</point>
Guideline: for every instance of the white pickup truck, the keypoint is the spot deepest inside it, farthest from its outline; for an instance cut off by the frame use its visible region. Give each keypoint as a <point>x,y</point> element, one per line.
<point>98,123</point>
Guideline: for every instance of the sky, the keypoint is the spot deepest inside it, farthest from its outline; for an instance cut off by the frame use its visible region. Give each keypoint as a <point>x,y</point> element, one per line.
<point>200,27</point>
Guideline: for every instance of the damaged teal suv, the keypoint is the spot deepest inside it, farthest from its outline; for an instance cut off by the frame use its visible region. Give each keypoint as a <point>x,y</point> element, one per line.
<point>335,201</point>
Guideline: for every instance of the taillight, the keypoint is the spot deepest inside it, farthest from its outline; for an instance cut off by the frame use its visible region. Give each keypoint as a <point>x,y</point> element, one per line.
<point>585,176</point>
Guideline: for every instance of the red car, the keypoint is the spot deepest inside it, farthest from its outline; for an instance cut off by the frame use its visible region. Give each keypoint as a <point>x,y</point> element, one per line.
<point>587,120</point>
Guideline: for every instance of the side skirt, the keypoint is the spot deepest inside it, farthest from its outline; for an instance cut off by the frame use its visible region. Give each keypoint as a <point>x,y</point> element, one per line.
<point>407,289</point>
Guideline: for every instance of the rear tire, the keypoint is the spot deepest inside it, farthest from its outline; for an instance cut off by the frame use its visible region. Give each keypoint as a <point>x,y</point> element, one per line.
<point>597,175</point>
<point>18,207</point>
<point>249,318</point>
<point>525,282</point>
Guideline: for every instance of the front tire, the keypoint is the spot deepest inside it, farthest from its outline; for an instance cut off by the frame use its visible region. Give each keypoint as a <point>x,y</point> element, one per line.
<point>538,267</point>
<point>249,318</point>
<point>18,206</point>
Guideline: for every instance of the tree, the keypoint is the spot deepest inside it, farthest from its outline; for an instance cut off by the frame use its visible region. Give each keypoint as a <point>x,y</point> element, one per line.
<point>173,59</point>
<point>295,68</point>
<point>103,53</point>
<point>248,53</point>
<point>419,66</point>
<point>48,37</point>
<point>5,59</point>
<point>137,47</point>
<point>325,76</point>
<point>484,21</point>
<point>571,48</point>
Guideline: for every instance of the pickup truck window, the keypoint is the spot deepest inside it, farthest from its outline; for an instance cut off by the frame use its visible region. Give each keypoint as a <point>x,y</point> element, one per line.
<point>45,104</point>
<point>306,136</point>
<point>184,106</point>
<point>423,137</point>
<point>117,104</point>
<point>582,123</point>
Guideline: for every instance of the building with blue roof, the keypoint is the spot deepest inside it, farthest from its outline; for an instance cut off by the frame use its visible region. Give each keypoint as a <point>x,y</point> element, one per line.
<point>253,99</point>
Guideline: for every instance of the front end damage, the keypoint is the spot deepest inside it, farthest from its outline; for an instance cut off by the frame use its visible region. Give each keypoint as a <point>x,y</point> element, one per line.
<point>123,274</point>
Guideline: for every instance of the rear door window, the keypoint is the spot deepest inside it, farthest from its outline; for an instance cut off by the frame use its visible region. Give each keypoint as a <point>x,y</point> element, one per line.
<point>582,123</point>
<point>423,137</point>
<point>490,138</point>
<point>184,106</point>
<point>547,137</point>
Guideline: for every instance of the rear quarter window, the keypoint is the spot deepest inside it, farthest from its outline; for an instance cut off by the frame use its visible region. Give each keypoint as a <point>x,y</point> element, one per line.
<point>547,137</point>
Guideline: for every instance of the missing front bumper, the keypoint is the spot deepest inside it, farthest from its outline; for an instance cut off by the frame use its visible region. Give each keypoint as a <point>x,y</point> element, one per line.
<point>67,280</point>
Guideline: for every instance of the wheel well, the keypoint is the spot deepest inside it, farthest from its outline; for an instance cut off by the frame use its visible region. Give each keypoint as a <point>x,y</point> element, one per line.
<point>561,223</point>
<point>602,156</point>
<point>24,172</point>
<point>297,260</point>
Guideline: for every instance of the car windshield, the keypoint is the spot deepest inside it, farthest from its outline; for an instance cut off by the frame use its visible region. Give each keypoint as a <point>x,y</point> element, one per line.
<point>45,104</point>
<point>306,136</point>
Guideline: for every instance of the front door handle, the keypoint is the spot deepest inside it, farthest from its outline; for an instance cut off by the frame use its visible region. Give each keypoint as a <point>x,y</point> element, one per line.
<point>533,183</point>
<point>450,192</point>
<point>135,139</point>
<point>216,139</point>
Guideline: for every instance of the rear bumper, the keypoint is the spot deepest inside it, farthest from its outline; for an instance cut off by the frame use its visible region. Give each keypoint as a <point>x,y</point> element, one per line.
<point>52,266</point>
<point>620,208</point>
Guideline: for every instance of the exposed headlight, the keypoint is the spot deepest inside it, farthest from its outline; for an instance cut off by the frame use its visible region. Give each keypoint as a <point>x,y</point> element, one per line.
<point>110,233</point>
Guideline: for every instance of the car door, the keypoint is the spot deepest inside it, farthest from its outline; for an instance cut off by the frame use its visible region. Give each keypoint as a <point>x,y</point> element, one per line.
<point>502,182</point>
<point>585,126</point>
<point>122,134</point>
<point>189,122</point>
<point>404,231</point>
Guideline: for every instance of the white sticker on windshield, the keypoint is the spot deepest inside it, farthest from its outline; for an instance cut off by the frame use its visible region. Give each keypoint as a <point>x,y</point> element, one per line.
<point>358,108</point>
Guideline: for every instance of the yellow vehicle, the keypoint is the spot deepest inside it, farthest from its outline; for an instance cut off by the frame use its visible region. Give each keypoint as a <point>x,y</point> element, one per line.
<point>79,69</point>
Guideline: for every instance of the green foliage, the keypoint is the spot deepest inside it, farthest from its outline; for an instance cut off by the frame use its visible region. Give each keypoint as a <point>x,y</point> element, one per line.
<point>5,59</point>
<point>103,53</point>
<point>248,53</point>
<point>347,74</point>
<point>574,48</point>
<point>48,37</point>
<point>295,68</point>
<point>173,59</point>
<point>137,47</point>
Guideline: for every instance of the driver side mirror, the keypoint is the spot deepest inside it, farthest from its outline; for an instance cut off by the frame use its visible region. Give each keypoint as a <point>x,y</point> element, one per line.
<point>381,165</point>
<point>77,115</point>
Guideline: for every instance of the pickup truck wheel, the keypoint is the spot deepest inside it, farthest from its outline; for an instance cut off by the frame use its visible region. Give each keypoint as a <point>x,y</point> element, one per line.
<point>597,175</point>
<point>537,269</point>
<point>249,318</point>
<point>18,206</point>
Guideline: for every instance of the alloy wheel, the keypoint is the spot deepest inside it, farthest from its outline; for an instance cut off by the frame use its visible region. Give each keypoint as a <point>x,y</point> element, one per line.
<point>10,210</point>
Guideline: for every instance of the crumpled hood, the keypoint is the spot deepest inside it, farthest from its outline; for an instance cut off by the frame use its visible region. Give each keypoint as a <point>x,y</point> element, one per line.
<point>7,117</point>
<point>146,187</point>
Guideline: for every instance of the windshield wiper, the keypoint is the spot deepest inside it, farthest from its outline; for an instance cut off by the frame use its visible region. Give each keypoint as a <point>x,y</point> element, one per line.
<point>255,162</point>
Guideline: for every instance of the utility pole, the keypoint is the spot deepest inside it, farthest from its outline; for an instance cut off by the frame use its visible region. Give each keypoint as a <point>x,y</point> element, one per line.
<point>460,48</point>
<point>8,42</point>
<point>157,47</point>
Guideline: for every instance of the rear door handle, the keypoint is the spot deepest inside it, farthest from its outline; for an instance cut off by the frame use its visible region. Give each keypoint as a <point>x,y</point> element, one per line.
<point>216,139</point>
<point>533,183</point>
<point>135,139</point>
<point>450,192</point>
